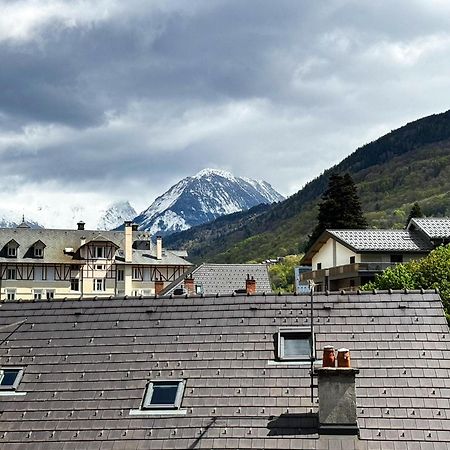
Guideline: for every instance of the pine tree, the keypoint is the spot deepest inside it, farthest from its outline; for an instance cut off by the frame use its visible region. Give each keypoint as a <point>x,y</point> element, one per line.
<point>415,212</point>
<point>340,207</point>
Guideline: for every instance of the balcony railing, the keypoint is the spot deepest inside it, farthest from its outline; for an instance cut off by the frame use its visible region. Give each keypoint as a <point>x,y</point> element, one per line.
<point>346,270</point>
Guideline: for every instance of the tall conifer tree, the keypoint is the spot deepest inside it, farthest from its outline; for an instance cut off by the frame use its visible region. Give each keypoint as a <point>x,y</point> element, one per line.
<point>415,212</point>
<point>340,207</point>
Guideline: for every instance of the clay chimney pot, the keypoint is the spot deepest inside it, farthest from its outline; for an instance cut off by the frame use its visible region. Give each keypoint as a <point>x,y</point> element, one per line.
<point>329,359</point>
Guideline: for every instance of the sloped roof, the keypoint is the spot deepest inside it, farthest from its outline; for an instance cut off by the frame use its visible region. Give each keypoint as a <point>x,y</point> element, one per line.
<point>225,278</point>
<point>56,241</point>
<point>383,240</point>
<point>403,241</point>
<point>87,364</point>
<point>433,227</point>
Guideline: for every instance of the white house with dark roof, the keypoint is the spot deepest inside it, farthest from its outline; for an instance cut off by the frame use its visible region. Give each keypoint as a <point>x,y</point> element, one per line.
<point>347,259</point>
<point>47,263</point>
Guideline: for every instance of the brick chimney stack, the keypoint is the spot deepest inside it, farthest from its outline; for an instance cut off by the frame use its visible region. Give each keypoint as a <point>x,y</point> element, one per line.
<point>159,286</point>
<point>250,285</point>
<point>128,241</point>
<point>189,284</point>
<point>159,248</point>
<point>337,394</point>
<point>80,225</point>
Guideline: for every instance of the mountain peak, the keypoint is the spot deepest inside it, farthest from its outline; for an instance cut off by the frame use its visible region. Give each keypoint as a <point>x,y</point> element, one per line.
<point>203,197</point>
<point>204,173</point>
<point>115,215</point>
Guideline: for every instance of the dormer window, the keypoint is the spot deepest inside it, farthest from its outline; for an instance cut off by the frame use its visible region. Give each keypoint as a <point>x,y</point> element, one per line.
<point>99,252</point>
<point>12,252</point>
<point>38,252</point>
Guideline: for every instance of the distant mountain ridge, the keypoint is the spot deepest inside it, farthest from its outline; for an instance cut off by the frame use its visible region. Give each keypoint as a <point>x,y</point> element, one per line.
<point>198,199</point>
<point>406,165</point>
<point>115,215</point>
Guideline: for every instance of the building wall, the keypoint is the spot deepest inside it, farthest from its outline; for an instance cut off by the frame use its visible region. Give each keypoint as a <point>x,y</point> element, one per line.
<point>333,254</point>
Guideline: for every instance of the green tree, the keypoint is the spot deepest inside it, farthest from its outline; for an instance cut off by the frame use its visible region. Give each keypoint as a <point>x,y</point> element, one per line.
<point>415,212</point>
<point>282,276</point>
<point>340,207</point>
<point>431,272</point>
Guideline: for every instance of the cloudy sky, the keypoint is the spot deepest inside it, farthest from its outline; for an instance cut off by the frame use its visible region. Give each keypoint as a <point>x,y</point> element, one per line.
<point>102,100</point>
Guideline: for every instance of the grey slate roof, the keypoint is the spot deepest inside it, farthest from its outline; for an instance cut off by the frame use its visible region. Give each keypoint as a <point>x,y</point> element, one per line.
<point>225,278</point>
<point>433,227</point>
<point>87,363</point>
<point>383,240</point>
<point>56,241</point>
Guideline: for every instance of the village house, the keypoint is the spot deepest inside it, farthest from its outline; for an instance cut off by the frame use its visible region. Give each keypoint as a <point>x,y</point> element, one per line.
<point>47,263</point>
<point>347,259</point>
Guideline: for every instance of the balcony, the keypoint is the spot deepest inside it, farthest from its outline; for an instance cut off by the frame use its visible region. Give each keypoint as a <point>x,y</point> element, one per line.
<point>346,271</point>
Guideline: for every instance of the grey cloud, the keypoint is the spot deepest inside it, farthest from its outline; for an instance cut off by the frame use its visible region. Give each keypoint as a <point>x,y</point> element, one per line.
<point>328,76</point>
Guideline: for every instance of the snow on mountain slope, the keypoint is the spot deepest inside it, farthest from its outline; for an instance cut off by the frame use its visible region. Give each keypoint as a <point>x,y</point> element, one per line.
<point>115,215</point>
<point>201,198</point>
<point>11,219</point>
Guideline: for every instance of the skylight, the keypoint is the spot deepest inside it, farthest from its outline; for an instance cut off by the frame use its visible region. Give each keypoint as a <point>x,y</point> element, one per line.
<point>164,394</point>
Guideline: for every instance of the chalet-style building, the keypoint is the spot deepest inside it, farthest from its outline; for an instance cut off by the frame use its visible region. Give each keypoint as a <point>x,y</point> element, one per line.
<point>222,279</point>
<point>225,372</point>
<point>46,263</point>
<point>347,259</point>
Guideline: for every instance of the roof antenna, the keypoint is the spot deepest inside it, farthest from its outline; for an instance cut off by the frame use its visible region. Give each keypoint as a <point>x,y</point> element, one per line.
<point>17,325</point>
<point>313,342</point>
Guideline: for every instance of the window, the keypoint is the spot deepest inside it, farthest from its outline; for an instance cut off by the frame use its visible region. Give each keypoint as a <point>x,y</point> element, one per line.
<point>137,273</point>
<point>352,260</point>
<point>10,377</point>
<point>74,284</point>
<point>99,284</point>
<point>295,343</point>
<point>395,259</point>
<point>99,252</point>
<point>319,266</point>
<point>11,274</point>
<point>120,275</point>
<point>99,267</point>
<point>38,252</point>
<point>50,294</point>
<point>10,294</point>
<point>37,294</point>
<point>164,394</point>
<point>12,251</point>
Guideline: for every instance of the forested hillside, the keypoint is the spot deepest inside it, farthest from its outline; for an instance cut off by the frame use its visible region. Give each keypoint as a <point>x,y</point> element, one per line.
<point>407,165</point>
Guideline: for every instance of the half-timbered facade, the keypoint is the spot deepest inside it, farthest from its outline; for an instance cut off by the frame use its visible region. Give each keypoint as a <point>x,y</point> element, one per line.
<point>45,263</point>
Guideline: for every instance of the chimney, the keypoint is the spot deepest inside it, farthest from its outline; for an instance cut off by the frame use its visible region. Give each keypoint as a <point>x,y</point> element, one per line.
<point>337,394</point>
<point>250,285</point>
<point>80,225</point>
<point>159,248</point>
<point>128,241</point>
<point>159,286</point>
<point>189,285</point>
<point>82,241</point>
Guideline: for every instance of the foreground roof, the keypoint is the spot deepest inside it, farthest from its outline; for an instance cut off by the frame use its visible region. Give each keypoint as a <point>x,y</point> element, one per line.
<point>226,278</point>
<point>87,364</point>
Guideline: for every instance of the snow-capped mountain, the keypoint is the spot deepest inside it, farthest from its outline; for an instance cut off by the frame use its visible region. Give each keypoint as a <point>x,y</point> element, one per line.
<point>11,219</point>
<point>201,198</point>
<point>115,215</point>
